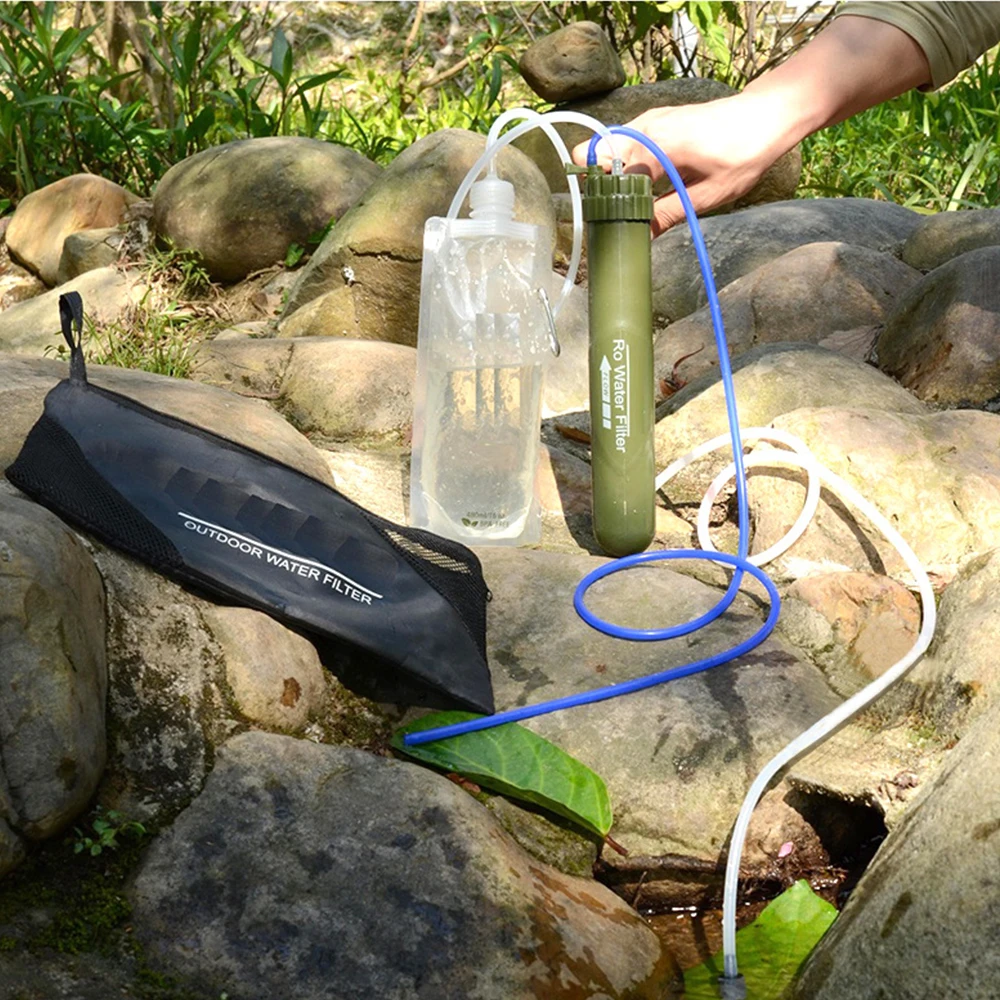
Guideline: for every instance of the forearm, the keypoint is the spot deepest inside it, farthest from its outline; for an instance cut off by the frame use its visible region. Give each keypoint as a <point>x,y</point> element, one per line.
<point>854,64</point>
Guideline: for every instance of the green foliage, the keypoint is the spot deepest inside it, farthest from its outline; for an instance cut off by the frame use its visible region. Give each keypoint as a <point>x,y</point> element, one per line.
<point>106,827</point>
<point>513,761</point>
<point>159,340</point>
<point>771,949</point>
<point>931,152</point>
<point>186,77</point>
<point>297,251</point>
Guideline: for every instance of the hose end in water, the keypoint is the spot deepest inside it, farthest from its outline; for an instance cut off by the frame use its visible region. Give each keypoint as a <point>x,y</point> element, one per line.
<point>732,987</point>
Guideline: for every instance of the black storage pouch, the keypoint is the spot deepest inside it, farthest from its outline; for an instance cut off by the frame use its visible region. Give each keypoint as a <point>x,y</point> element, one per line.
<point>230,521</point>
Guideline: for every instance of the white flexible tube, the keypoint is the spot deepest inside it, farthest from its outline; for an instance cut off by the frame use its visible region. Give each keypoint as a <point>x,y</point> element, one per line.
<point>770,458</point>
<point>820,730</point>
<point>494,145</point>
<point>519,114</point>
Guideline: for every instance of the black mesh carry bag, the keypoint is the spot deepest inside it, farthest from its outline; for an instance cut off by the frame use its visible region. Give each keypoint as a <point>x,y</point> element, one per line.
<point>232,522</point>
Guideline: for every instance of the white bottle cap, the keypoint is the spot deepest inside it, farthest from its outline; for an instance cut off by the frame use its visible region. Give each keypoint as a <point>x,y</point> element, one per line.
<point>491,198</point>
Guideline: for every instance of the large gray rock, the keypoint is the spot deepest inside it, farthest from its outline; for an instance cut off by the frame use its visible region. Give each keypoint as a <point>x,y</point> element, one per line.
<point>356,876</point>
<point>53,673</point>
<point>573,62</point>
<point>946,235</point>
<point>44,218</point>
<point>626,103</point>
<point>185,674</point>
<point>745,240</point>
<point>31,327</point>
<point>250,422</point>
<point>936,476</point>
<point>242,204</point>
<point>364,279</point>
<point>330,387</point>
<point>942,341</point>
<point>769,381</point>
<point>677,758</point>
<point>922,920</point>
<point>806,295</point>
<point>959,678</point>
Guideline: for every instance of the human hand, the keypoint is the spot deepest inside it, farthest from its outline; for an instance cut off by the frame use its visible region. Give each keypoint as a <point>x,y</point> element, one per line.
<point>720,148</point>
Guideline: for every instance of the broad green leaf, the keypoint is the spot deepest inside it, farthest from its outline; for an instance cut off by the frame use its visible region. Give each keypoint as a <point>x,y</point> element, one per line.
<point>514,761</point>
<point>771,949</point>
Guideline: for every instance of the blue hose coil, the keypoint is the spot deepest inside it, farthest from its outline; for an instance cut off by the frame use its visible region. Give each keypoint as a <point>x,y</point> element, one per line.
<point>739,561</point>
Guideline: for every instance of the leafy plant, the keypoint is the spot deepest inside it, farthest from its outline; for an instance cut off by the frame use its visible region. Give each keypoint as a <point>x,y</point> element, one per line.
<point>106,827</point>
<point>931,152</point>
<point>513,761</point>
<point>163,341</point>
<point>772,948</point>
<point>296,251</point>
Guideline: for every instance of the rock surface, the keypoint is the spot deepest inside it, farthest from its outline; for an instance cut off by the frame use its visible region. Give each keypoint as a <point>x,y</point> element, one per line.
<point>958,680</point>
<point>573,62</point>
<point>945,235</point>
<point>368,268</point>
<point>44,218</point>
<point>88,250</point>
<point>922,920</point>
<point>677,758</point>
<point>342,871</point>
<point>943,339</point>
<point>935,476</point>
<point>331,387</point>
<point>242,204</point>
<point>32,326</point>
<point>745,240</point>
<point>275,675</point>
<point>54,675</point>
<point>770,381</point>
<point>806,295</point>
<point>250,422</point>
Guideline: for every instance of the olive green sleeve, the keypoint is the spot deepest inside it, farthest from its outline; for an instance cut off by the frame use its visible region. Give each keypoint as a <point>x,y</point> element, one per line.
<point>953,35</point>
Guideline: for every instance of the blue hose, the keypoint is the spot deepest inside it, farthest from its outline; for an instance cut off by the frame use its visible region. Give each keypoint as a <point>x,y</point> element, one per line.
<point>739,561</point>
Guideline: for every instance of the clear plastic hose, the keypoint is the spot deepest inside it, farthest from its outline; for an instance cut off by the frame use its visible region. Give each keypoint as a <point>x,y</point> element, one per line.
<point>495,143</point>
<point>520,114</point>
<point>820,730</point>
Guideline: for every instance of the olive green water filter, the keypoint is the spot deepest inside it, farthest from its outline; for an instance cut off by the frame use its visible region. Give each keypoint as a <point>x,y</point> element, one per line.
<point>618,210</point>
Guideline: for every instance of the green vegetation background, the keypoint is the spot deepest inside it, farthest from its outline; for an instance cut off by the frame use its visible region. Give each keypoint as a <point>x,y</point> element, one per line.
<point>127,90</point>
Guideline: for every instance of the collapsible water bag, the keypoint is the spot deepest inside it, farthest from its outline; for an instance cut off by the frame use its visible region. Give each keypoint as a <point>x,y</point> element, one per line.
<point>221,517</point>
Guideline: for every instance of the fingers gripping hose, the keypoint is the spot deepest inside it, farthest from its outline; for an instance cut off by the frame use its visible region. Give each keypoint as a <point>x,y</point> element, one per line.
<point>731,984</point>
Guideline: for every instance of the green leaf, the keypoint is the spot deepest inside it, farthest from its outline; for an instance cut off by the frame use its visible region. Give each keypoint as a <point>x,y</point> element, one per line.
<point>513,761</point>
<point>771,949</point>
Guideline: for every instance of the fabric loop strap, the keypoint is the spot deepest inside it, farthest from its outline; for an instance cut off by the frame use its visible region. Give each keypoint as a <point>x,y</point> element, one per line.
<point>71,318</point>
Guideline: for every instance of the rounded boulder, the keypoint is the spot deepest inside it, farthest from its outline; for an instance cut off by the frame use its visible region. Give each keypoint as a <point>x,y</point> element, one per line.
<point>45,218</point>
<point>242,204</point>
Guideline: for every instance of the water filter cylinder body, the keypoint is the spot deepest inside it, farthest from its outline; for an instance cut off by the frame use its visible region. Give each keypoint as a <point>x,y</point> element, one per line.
<point>482,345</point>
<point>618,210</point>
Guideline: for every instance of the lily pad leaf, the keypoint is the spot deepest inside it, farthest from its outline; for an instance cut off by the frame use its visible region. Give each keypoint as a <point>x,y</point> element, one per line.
<point>513,761</point>
<point>771,949</point>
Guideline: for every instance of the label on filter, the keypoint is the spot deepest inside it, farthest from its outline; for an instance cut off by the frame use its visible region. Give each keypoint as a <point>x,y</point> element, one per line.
<point>605,393</point>
<point>619,378</point>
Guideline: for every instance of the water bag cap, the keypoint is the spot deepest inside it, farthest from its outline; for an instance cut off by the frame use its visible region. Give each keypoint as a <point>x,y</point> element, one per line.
<point>617,197</point>
<point>491,198</point>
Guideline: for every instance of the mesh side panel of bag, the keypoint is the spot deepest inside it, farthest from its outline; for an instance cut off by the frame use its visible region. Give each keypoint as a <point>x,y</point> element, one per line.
<point>60,472</point>
<point>451,569</point>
